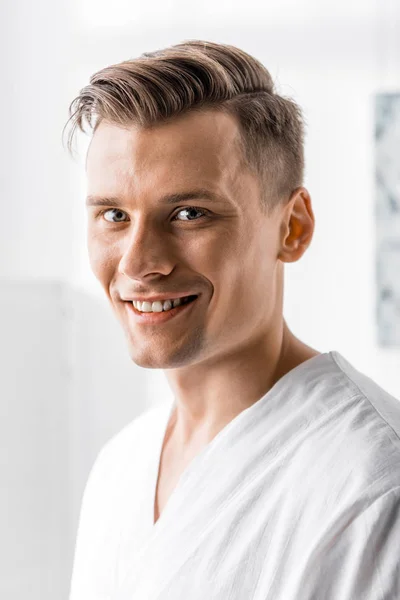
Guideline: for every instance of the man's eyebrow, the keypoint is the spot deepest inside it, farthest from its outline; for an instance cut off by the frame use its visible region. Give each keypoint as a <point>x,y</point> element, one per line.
<point>199,194</point>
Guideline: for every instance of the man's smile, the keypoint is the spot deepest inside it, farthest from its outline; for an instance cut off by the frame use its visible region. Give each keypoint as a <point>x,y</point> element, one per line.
<point>156,316</point>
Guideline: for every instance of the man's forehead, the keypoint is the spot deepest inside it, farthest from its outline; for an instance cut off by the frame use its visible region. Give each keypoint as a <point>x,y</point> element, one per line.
<point>135,163</point>
<point>198,136</point>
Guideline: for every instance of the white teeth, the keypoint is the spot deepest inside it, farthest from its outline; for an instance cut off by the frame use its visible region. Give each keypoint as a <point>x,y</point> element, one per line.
<point>146,307</point>
<point>157,306</point>
<point>167,305</point>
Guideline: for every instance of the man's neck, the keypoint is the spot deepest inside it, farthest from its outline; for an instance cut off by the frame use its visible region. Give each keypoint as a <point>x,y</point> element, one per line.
<point>215,394</point>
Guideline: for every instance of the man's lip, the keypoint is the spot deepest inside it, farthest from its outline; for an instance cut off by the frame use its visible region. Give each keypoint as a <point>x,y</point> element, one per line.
<point>157,318</point>
<point>161,297</point>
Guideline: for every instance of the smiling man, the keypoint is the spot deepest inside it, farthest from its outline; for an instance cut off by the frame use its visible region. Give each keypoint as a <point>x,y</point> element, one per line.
<point>275,472</point>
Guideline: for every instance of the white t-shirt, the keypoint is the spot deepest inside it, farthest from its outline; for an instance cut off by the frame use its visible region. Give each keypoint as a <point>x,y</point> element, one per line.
<point>297,498</point>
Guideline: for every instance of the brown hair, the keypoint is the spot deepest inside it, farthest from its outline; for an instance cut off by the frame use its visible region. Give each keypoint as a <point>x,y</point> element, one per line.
<point>199,75</point>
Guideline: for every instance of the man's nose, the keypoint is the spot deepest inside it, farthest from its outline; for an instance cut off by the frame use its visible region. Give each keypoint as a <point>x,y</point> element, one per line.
<point>145,250</point>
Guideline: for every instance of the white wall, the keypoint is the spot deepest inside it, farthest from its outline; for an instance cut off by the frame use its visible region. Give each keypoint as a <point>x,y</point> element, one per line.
<point>329,56</point>
<point>35,523</point>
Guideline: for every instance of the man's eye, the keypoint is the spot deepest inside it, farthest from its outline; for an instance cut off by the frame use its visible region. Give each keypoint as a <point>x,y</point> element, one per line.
<point>117,210</point>
<point>189,212</point>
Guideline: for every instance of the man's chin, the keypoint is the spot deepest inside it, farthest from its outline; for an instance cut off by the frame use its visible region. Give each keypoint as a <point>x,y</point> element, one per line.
<point>148,362</point>
<point>148,359</point>
<point>168,359</point>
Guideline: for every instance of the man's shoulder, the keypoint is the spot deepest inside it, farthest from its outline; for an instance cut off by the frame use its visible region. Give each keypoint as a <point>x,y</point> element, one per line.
<point>134,432</point>
<point>126,449</point>
<point>367,421</point>
<point>380,405</point>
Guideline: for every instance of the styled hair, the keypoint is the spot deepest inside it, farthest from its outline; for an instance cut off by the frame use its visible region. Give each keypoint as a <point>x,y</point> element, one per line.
<point>196,75</point>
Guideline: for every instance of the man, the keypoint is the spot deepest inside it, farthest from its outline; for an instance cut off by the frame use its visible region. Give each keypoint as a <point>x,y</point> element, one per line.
<point>275,473</point>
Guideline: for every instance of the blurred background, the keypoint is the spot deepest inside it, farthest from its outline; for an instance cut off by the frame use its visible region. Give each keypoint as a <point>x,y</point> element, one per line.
<point>68,382</point>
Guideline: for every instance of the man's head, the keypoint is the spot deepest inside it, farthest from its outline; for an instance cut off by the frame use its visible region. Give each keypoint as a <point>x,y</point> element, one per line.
<point>201,120</point>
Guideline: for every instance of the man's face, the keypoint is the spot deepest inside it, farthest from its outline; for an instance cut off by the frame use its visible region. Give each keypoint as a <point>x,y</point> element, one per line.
<point>224,250</point>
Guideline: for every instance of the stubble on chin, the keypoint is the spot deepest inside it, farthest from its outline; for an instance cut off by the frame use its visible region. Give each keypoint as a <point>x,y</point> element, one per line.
<point>171,355</point>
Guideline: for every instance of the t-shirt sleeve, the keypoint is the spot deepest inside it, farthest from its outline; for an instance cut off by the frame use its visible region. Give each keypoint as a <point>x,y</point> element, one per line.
<point>362,562</point>
<point>93,567</point>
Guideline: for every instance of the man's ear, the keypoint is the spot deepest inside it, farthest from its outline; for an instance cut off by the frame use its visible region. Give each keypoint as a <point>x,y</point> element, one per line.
<point>297,226</point>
